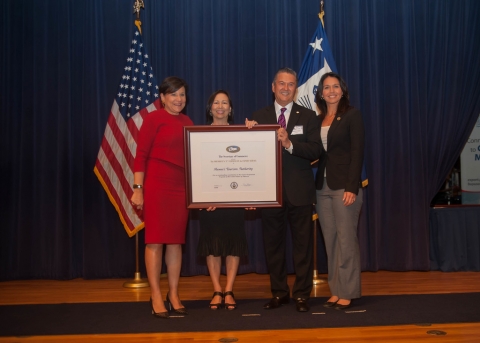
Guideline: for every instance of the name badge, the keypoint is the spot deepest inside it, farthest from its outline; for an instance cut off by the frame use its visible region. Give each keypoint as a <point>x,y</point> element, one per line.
<point>297,130</point>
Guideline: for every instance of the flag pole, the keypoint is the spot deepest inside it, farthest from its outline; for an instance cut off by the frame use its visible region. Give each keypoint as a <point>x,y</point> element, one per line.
<point>321,13</point>
<point>317,280</point>
<point>137,281</point>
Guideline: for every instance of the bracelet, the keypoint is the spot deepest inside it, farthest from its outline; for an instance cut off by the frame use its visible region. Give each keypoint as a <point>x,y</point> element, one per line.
<point>137,186</point>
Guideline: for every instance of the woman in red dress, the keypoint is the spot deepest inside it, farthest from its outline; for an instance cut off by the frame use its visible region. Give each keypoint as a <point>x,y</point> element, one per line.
<point>159,189</point>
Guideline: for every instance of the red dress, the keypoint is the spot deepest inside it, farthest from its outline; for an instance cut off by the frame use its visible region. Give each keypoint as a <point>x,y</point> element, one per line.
<point>160,155</point>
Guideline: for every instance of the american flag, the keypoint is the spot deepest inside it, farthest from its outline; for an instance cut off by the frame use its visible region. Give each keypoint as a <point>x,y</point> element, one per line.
<point>137,95</point>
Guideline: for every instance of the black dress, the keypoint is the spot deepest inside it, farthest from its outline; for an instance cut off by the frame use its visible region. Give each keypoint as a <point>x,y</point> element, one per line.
<point>222,233</point>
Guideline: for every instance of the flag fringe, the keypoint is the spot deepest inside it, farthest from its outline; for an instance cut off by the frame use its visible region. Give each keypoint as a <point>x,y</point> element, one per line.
<point>320,16</point>
<point>138,24</point>
<point>114,203</point>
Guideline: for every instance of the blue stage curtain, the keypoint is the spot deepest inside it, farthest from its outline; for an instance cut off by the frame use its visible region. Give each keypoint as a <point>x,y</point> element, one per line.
<point>411,67</point>
<point>455,239</point>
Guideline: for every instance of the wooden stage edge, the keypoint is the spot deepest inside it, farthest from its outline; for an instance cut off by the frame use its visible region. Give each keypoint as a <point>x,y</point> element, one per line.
<point>253,286</point>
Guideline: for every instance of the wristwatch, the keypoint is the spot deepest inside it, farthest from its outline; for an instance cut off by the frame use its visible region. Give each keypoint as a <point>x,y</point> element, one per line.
<point>137,186</point>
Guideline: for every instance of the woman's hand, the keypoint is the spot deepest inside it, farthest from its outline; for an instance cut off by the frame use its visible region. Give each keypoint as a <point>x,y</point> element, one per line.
<point>137,199</point>
<point>348,198</point>
<point>250,123</point>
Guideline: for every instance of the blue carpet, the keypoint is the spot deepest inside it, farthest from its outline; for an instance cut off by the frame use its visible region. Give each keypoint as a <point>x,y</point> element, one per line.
<point>135,317</point>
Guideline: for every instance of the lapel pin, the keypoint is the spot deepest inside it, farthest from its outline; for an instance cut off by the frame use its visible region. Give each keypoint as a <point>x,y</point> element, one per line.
<point>298,112</point>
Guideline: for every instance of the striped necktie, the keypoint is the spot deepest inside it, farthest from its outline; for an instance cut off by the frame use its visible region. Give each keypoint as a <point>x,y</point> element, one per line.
<point>281,118</point>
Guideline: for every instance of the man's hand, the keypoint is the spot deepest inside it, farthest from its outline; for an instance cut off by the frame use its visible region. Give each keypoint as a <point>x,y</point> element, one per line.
<point>282,135</point>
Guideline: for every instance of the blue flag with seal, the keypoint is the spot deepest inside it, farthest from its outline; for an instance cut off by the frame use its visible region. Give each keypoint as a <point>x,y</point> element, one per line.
<point>317,61</point>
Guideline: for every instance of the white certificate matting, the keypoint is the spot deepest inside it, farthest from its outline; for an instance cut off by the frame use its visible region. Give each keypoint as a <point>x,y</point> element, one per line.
<point>232,167</point>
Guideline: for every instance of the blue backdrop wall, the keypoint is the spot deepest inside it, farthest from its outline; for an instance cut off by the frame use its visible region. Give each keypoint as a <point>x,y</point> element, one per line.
<point>411,66</point>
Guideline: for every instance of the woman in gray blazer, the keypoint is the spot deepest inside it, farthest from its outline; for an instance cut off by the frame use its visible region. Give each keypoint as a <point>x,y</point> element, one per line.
<point>338,184</point>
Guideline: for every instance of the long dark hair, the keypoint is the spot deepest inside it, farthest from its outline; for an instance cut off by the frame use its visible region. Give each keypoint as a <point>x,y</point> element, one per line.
<point>344,103</point>
<point>211,99</point>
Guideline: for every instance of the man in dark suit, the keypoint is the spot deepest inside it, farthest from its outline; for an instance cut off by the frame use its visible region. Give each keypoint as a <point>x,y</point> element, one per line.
<point>300,138</point>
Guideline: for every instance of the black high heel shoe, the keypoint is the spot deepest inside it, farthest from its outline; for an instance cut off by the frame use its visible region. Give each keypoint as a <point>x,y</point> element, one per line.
<point>181,310</point>
<point>159,314</point>
<point>227,305</point>
<point>217,305</point>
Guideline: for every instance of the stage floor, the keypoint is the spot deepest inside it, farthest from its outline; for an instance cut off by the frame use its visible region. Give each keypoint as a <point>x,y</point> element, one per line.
<point>253,286</point>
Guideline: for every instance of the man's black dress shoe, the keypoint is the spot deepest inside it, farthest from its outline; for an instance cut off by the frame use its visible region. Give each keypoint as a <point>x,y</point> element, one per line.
<point>302,305</point>
<point>276,302</point>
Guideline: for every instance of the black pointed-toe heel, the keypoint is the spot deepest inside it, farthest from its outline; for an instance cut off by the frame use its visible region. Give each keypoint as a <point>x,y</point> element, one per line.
<point>227,305</point>
<point>158,314</point>
<point>181,310</point>
<point>216,306</point>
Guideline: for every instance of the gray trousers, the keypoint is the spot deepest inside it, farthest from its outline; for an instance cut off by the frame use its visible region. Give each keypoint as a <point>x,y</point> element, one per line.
<point>339,228</point>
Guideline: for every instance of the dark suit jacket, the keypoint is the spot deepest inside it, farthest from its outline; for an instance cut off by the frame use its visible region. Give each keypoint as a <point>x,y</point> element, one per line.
<point>298,180</point>
<point>344,156</point>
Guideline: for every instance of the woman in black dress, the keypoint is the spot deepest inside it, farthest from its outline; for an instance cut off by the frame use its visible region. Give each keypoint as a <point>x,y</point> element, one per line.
<point>222,231</point>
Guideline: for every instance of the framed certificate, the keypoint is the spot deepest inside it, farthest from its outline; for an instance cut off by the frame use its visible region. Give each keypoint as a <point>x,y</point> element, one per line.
<point>233,166</point>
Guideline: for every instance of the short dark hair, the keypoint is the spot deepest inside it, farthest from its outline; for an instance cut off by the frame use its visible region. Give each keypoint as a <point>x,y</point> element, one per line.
<point>285,70</point>
<point>344,103</point>
<point>211,99</point>
<point>172,84</point>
